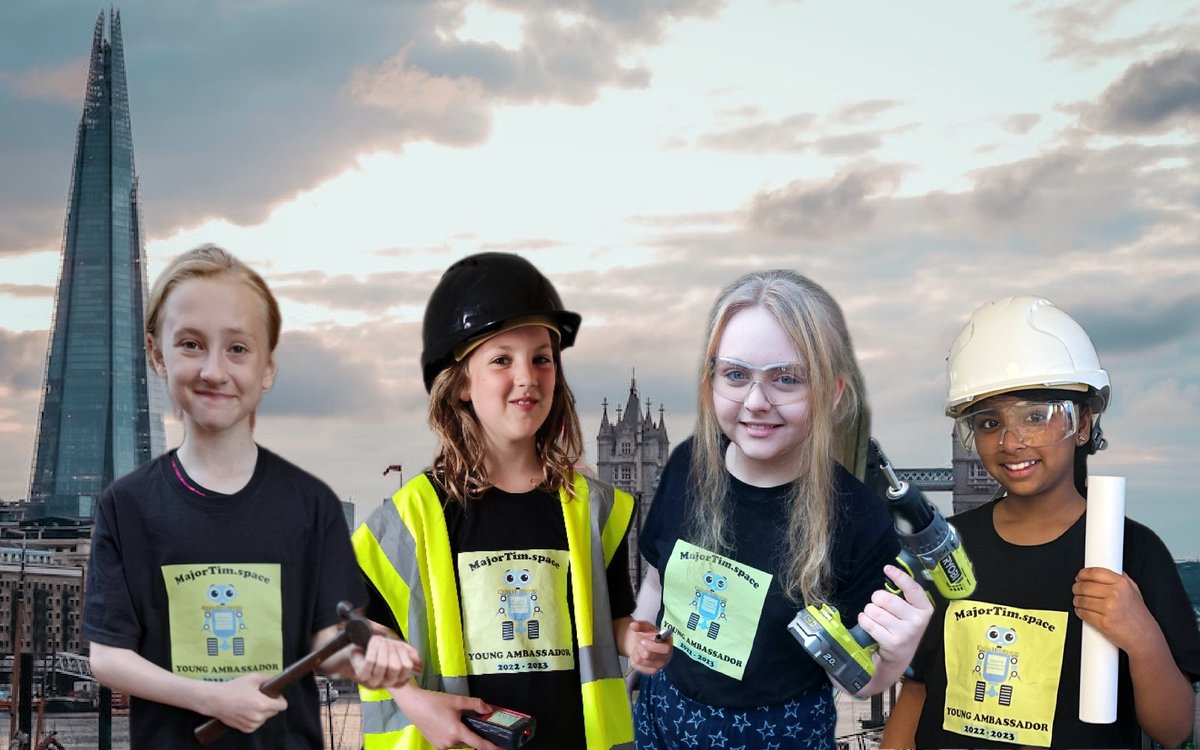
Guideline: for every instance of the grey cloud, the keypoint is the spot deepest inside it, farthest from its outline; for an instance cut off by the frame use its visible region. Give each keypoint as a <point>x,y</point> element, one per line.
<point>453,111</point>
<point>63,82</point>
<point>644,21</point>
<point>24,358</point>
<point>744,112</point>
<point>840,206</point>
<point>27,291</point>
<point>803,131</point>
<point>1022,123</point>
<point>197,77</point>
<point>1152,96</point>
<point>323,376</point>
<point>786,134</point>
<point>851,144</point>
<point>1083,198</point>
<point>711,218</point>
<point>533,243</point>
<point>240,106</point>
<point>1078,31</point>
<point>1140,325</point>
<point>558,60</point>
<point>372,294</point>
<point>864,111</point>
<point>1005,191</point>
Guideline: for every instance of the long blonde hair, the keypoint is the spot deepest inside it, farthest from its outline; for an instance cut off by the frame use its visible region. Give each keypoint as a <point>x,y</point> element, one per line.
<point>813,321</point>
<point>458,463</point>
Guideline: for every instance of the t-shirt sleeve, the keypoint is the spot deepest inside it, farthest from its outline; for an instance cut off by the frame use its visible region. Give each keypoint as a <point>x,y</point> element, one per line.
<point>338,577</point>
<point>620,588</point>
<point>109,617</point>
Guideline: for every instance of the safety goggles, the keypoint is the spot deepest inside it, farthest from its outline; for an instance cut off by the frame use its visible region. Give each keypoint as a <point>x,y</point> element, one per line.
<point>781,383</point>
<point>1033,424</point>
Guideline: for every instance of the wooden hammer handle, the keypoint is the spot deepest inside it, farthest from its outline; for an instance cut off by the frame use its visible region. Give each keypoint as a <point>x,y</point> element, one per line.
<point>357,631</point>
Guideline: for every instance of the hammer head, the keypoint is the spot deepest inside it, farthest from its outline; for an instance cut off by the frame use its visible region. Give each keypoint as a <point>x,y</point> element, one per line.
<point>357,628</point>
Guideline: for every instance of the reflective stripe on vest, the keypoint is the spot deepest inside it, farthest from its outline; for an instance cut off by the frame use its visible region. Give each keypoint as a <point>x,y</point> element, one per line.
<point>405,552</point>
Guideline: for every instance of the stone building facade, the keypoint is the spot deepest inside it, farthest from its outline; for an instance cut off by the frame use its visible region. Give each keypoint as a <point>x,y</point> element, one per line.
<point>973,486</point>
<point>631,452</point>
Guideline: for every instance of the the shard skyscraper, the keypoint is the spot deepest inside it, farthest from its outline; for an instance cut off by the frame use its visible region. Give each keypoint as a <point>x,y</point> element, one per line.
<point>101,413</point>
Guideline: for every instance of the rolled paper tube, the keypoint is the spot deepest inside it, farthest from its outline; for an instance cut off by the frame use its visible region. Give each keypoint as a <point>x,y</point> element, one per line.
<point>1103,548</point>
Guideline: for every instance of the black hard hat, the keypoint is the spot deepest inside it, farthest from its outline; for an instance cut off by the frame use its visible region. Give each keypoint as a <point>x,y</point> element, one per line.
<point>476,296</point>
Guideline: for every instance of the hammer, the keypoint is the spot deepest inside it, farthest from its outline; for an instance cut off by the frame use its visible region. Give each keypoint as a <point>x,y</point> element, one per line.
<point>356,631</point>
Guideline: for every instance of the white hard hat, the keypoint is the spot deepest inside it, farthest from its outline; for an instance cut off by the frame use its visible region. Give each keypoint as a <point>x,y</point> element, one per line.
<point>1018,343</point>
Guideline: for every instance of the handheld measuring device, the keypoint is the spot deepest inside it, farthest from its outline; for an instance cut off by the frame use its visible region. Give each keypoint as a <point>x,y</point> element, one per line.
<point>502,726</point>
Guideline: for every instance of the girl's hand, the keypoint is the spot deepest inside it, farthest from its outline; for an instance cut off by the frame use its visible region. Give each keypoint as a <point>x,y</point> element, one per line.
<point>439,717</point>
<point>1112,603</point>
<point>645,654</point>
<point>386,662</point>
<point>240,705</point>
<point>897,625</point>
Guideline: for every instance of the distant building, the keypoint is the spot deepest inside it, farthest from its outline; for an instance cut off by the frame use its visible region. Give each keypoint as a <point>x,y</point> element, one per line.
<point>973,486</point>
<point>630,454</point>
<point>42,571</point>
<point>101,413</point>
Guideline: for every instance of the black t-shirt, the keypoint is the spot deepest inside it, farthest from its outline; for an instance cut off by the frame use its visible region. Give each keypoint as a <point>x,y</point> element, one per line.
<point>1015,666</point>
<point>512,571</point>
<point>212,586</point>
<point>722,608</point>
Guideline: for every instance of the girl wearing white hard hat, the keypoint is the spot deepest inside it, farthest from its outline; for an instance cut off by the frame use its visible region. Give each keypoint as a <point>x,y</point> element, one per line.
<point>1026,392</point>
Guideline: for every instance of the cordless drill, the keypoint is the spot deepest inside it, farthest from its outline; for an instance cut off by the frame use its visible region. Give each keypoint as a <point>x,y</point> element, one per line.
<point>930,552</point>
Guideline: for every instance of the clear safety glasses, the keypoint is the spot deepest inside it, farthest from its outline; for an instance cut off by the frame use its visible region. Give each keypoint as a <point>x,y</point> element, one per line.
<point>781,383</point>
<point>1032,423</point>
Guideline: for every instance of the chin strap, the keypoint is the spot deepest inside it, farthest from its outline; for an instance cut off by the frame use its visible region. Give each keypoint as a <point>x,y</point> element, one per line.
<point>1097,441</point>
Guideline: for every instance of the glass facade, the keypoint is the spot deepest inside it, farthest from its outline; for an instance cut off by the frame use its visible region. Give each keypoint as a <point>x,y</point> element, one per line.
<point>101,409</point>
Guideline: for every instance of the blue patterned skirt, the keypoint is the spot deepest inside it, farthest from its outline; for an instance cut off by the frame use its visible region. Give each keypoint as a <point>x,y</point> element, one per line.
<point>666,719</point>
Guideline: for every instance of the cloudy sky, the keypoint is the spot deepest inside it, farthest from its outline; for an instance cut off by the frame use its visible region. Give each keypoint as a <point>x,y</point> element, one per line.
<point>917,159</point>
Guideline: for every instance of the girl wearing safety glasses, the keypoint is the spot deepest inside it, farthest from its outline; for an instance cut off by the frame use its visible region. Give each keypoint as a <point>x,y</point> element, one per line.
<point>753,519</point>
<point>1002,668</point>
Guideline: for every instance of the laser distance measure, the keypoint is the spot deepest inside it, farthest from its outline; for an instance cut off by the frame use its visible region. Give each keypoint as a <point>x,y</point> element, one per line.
<point>502,726</point>
<point>930,552</point>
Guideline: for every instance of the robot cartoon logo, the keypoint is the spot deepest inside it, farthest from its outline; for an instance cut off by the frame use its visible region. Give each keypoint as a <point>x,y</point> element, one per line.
<point>708,605</point>
<point>996,665</point>
<point>224,621</point>
<point>518,605</point>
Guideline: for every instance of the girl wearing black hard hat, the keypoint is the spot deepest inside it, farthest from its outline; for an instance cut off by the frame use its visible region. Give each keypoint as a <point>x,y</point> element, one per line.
<point>502,564</point>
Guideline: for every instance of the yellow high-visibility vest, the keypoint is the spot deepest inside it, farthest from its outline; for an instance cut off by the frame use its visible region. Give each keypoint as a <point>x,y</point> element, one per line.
<point>404,549</point>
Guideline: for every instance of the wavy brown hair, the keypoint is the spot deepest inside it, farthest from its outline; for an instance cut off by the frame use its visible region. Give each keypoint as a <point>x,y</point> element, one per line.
<point>458,463</point>
<point>814,322</point>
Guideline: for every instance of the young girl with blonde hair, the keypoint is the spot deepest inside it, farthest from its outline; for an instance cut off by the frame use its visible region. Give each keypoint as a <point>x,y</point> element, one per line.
<point>219,559</point>
<point>754,518</point>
